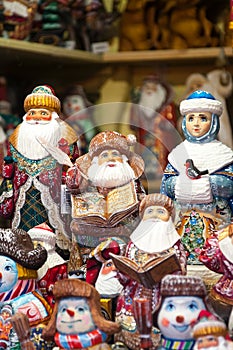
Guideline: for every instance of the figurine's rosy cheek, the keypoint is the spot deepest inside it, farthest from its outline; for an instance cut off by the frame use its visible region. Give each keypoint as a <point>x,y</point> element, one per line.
<point>165,322</point>
<point>193,321</point>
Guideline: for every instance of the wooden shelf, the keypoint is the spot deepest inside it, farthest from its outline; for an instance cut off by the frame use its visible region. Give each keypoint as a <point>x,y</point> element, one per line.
<point>24,49</point>
<point>11,50</point>
<point>165,55</point>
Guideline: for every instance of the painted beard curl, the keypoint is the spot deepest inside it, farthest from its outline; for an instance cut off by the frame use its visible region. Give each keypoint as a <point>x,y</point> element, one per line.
<point>154,235</point>
<point>27,143</point>
<point>106,176</point>
<point>108,284</point>
<point>153,101</point>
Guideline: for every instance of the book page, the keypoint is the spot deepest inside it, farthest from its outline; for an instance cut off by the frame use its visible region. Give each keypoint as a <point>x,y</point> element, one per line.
<point>88,203</point>
<point>121,198</point>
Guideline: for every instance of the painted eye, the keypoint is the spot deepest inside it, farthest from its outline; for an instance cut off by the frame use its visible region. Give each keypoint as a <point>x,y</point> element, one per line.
<point>190,119</point>
<point>193,306</point>
<point>203,119</point>
<point>8,268</point>
<point>115,153</point>
<point>63,310</point>
<point>170,307</point>
<point>104,155</point>
<point>81,310</point>
<point>44,113</point>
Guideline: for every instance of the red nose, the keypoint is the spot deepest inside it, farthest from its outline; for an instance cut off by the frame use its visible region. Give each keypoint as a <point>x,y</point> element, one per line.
<point>0,275</point>
<point>70,312</point>
<point>179,319</point>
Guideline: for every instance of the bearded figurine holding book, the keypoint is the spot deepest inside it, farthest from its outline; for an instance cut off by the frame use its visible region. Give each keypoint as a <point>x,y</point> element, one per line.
<point>156,248</point>
<point>105,190</point>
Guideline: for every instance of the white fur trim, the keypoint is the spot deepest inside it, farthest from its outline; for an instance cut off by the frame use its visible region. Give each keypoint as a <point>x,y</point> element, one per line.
<point>196,105</point>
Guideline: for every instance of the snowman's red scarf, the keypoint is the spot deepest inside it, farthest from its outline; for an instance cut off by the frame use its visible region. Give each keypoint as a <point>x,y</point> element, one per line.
<point>21,287</point>
<point>80,341</point>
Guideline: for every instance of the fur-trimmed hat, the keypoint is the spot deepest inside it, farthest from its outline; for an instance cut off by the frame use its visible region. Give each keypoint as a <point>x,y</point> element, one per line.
<point>201,101</point>
<point>208,324</point>
<point>112,140</point>
<point>42,96</point>
<point>156,199</point>
<point>178,285</point>
<point>74,287</point>
<point>17,245</point>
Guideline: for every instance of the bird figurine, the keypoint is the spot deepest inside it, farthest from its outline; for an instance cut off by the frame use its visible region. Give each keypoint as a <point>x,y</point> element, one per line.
<point>192,172</point>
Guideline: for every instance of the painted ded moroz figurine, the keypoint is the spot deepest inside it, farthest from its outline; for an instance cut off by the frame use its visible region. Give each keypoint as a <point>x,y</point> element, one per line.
<point>106,189</point>
<point>32,177</point>
<point>210,332</point>
<point>154,237</point>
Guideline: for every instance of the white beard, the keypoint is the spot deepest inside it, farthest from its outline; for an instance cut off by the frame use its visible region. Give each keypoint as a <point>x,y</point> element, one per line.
<point>108,284</point>
<point>222,345</point>
<point>106,176</point>
<point>27,143</point>
<point>226,248</point>
<point>153,101</point>
<point>154,236</point>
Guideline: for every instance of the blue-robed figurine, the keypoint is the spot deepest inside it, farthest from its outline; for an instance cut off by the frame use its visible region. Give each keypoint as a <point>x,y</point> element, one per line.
<point>199,174</point>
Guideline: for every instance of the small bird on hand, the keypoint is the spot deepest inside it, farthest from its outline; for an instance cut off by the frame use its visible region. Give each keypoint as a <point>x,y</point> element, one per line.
<point>192,172</point>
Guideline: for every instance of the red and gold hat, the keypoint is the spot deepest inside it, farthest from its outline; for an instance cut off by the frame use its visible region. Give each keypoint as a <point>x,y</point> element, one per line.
<point>208,324</point>
<point>42,96</point>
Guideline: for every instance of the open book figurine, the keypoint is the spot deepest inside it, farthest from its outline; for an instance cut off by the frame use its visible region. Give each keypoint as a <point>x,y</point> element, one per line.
<point>100,210</point>
<point>150,272</point>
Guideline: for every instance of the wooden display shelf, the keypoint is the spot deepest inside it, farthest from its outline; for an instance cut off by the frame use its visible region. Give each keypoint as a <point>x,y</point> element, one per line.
<point>25,49</point>
<point>19,49</point>
<point>175,56</point>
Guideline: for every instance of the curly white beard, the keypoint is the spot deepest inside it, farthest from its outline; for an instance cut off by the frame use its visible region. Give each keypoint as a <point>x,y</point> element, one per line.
<point>153,101</point>
<point>108,284</point>
<point>154,235</point>
<point>27,143</point>
<point>105,176</point>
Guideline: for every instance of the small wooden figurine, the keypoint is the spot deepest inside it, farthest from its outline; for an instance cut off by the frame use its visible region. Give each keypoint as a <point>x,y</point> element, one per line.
<point>153,119</point>
<point>77,322</point>
<point>32,184</point>
<point>217,256</point>
<point>106,189</point>
<point>210,332</point>
<point>183,297</point>
<point>19,262</point>
<point>149,243</point>
<point>198,176</point>
<point>55,267</point>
